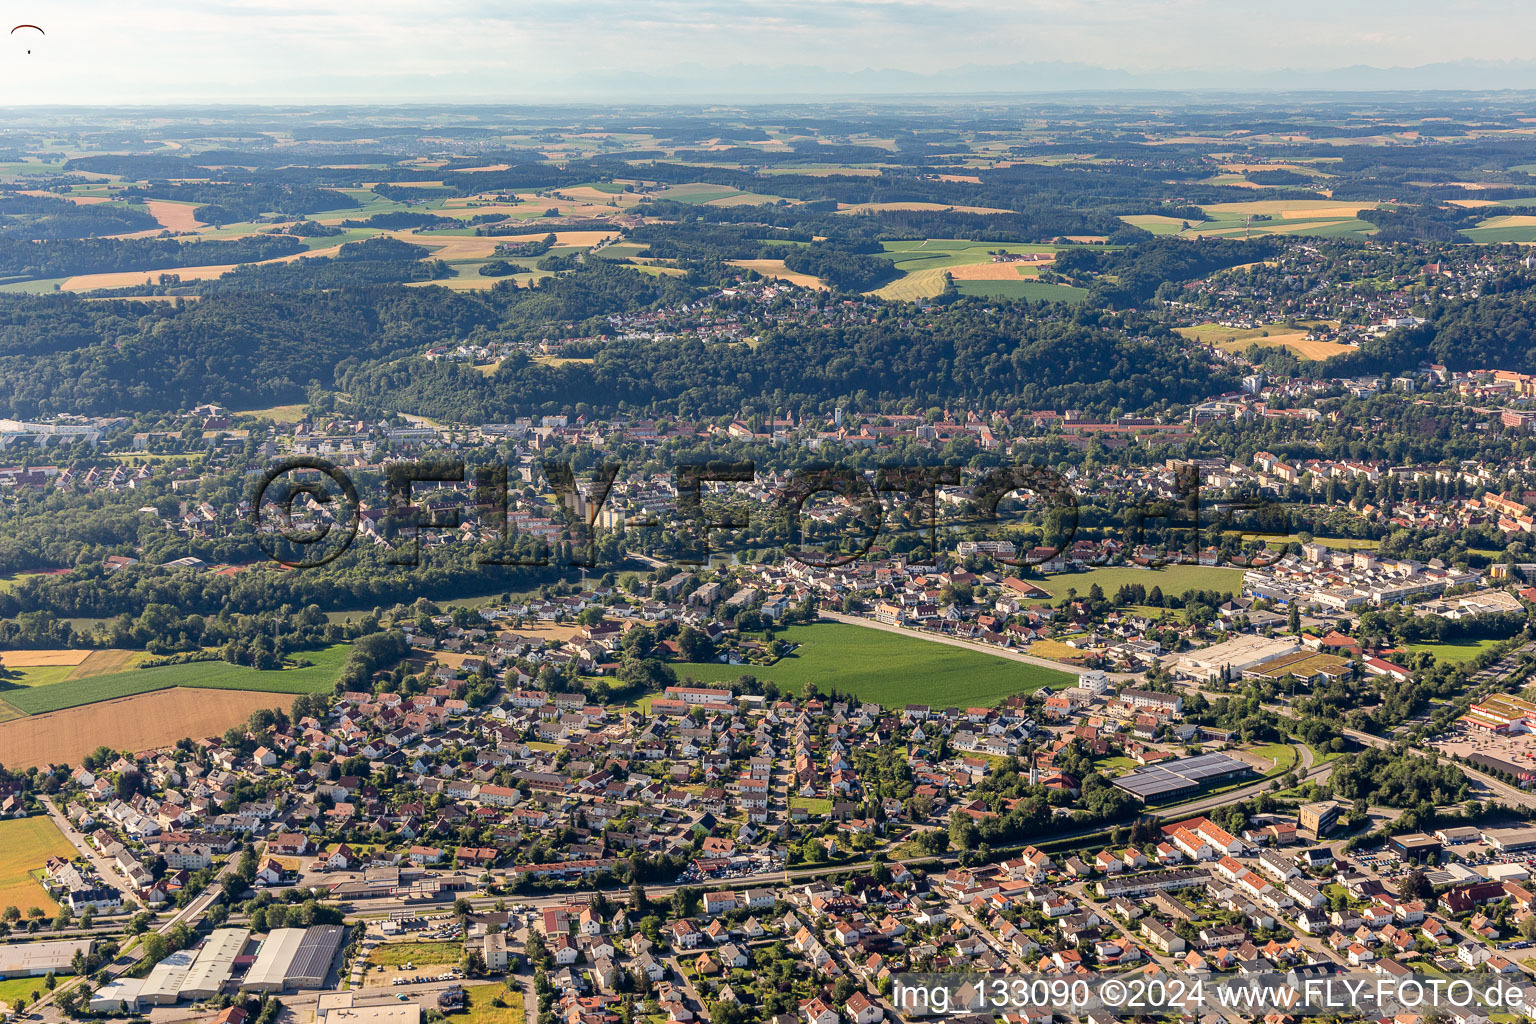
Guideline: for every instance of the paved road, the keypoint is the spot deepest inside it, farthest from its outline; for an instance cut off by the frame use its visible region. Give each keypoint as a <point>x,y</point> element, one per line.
<point>104,867</point>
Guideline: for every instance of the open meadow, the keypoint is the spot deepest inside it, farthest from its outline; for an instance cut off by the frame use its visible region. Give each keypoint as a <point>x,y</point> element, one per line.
<point>887,668</point>
<point>1173,579</point>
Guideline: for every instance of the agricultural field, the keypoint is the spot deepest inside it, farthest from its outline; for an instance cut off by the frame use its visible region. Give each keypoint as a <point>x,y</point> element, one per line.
<point>886,667</point>
<point>1173,579</point>
<point>25,843</point>
<point>705,194</point>
<point>1508,228</point>
<point>48,667</point>
<point>143,721</point>
<point>58,695</point>
<point>1034,291</point>
<point>777,269</point>
<point>1323,217</point>
<point>1156,223</point>
<point>1238,339</point>
<point>922,264</point>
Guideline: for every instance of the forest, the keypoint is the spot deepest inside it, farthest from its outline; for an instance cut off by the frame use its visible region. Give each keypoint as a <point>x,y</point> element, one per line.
<point>65,256</point>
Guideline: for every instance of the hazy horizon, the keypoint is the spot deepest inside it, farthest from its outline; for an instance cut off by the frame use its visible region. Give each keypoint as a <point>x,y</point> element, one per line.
<point>471,51</point>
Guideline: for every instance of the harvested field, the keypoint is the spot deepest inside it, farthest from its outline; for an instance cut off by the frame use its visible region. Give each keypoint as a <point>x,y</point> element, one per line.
<point>1285,207</point>
<point>77,200</point>
<point>129,278</point>
<point>917,284</point>
<point>49,656</point>
<point>881,207</point>
<point>1321,213</point>
<point>1231,339</point>
<point>103,663</point>
<point>141,722</point>
<point>174,216</point>
<point>997,271</point>
<point>777,269</point>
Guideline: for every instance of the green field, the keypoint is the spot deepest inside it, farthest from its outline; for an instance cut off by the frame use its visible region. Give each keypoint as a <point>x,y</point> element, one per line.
<point>1454,652</point>
<point>481,1011</point>
<point>215,675</point>
<point>887,668</point>
<point>13,989</point>
<point>1034,291</point>
<point>398,954</point>
<point>1173,579</point>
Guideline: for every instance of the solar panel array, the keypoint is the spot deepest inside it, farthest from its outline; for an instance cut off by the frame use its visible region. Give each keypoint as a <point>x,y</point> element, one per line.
<point>312,962</point>
<point>1174,777</point>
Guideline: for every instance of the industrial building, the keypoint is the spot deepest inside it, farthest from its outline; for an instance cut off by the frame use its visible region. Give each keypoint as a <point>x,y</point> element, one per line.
<point>118,994</point>
<point>1508,840</point>
<point>35,959</point>
<point>1182,777</point>
<point>1234,656</point>
<point>291,958</point>
<point>163,986</point>
<point>339,1008</point>
<point>215,963</point>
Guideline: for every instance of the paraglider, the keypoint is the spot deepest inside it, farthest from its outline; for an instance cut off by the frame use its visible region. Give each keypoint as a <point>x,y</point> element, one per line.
<point>18,28</point>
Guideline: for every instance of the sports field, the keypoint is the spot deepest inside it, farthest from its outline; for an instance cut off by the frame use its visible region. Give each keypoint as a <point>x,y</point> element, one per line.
<point>887,668</point>
<point>56,695</point>
<point>25,844</point>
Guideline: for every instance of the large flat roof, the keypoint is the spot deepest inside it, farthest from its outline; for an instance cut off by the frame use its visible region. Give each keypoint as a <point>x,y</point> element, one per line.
<point>215,962</point>
<point>26,959</point>
<point>1176,776</point>
<point>273,959</point>
<point>312,962</point>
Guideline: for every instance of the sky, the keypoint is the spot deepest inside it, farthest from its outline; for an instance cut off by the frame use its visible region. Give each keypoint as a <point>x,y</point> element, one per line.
<point>175,51</point>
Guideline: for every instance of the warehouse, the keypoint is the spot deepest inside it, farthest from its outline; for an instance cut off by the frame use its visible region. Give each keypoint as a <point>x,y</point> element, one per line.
<point>1508,840</point>
<point>163,986</point>
<point>35,959</point>
<point>118,994</point>
<point>1171,779</point>
<point>292,958</point>
<point>215,963</point>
